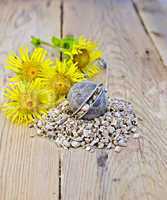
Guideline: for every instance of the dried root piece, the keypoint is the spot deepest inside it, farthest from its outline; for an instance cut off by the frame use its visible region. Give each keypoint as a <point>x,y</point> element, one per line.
<point>109,131</point>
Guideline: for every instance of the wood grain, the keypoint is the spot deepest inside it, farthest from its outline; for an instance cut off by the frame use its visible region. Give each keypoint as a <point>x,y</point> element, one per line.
<point>135,73</point>
<point>28,166</point>
<point>153,13</point>
<point>31,168</point>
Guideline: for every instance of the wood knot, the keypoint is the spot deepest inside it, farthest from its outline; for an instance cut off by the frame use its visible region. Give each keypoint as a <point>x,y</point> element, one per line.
<point>102,159</point>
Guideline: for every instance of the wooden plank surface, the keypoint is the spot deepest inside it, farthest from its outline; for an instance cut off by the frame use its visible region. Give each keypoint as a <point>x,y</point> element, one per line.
<point>134,73</point>
<point>31,168</point>
<point>28,166</point>
<point>153,13</point>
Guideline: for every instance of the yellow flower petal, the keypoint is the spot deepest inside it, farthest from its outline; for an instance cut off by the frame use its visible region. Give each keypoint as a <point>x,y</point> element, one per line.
<point>84,54</point>
<point>26,101</point>
<point>28,67</point>
<point>61,77</point>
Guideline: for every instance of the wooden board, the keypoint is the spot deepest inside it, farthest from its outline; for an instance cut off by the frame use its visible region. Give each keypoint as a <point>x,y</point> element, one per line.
<point>136,74</point>
<point>33,168</point>
<point>28,166</point>
<point>153,14</point>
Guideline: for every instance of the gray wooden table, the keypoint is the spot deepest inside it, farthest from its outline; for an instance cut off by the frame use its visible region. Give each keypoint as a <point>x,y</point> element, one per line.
<point>133,35</point>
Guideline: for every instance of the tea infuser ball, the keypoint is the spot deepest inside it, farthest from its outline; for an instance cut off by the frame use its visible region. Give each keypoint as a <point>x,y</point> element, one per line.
<point>88,97</point>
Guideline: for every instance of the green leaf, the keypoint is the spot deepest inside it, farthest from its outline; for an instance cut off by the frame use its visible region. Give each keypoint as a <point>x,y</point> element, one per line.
<point>69,37</point>
<point>56,41</point>
<point>35,41</point>
<point>66,45</point>
<point>68,41</point>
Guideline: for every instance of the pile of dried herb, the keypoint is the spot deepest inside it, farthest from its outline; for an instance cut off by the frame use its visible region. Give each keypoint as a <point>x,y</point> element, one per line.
<point>109,131</point>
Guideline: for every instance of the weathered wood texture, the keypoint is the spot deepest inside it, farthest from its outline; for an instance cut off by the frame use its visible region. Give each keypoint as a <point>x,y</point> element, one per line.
<point>28,166</point>
<point>134,73</point>
<point>153,13</point>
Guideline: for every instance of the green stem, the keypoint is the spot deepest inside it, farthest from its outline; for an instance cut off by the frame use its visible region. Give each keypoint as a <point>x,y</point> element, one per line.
<point>47,44</point>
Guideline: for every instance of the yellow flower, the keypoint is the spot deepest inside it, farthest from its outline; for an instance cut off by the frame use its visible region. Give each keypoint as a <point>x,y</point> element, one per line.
<point>26,101</point>
<point>61,77</point>
<point>28,67</point>
<point>84,53</point>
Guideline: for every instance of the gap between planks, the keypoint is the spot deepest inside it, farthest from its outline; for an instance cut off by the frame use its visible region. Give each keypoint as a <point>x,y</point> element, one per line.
<point>146,29</point>
<point>61,35</point>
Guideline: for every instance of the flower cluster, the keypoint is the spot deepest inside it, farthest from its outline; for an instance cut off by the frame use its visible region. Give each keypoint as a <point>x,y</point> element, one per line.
<point>40,83</point>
